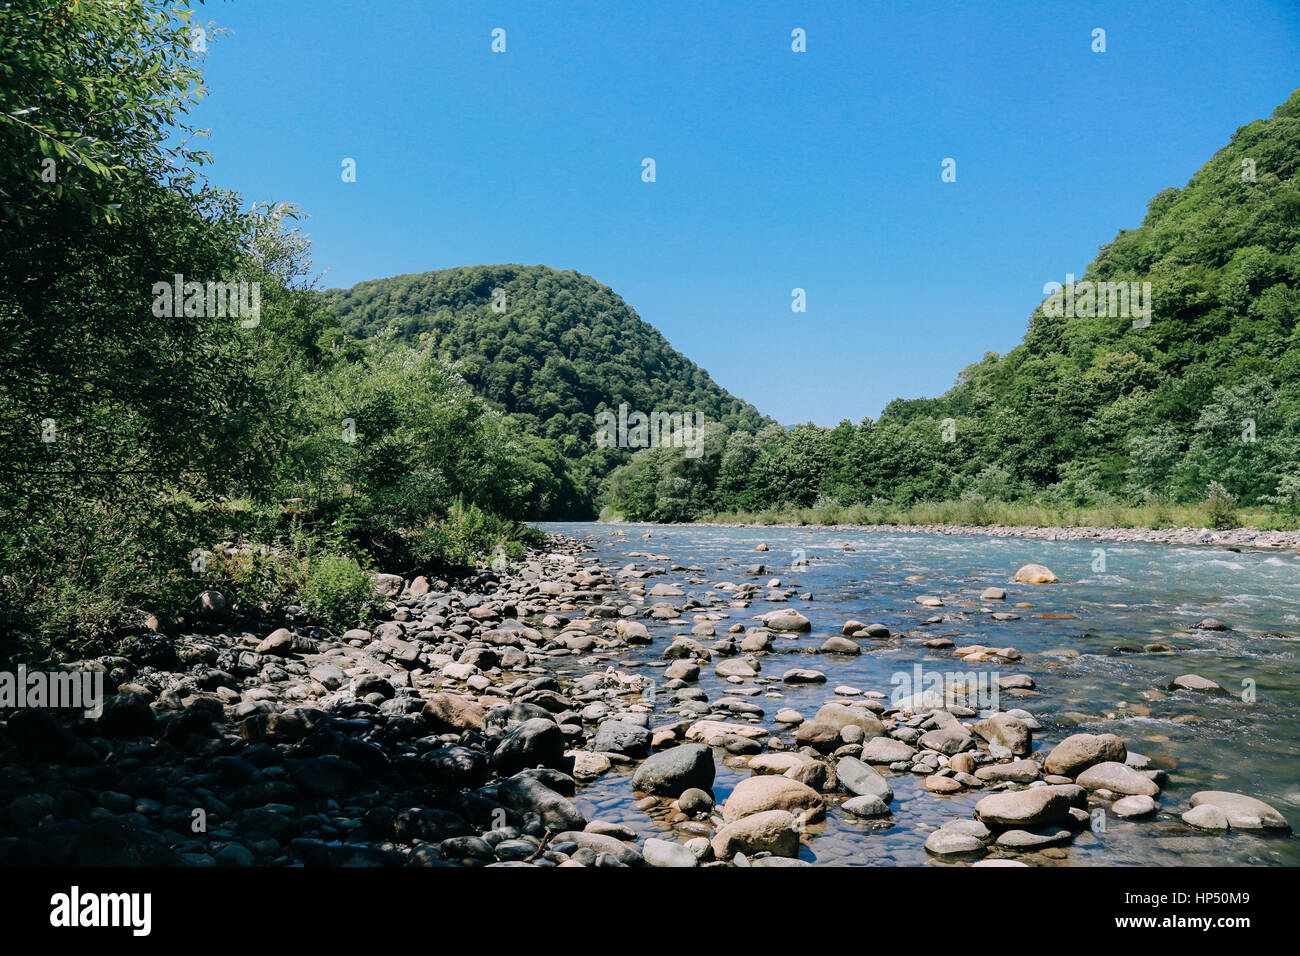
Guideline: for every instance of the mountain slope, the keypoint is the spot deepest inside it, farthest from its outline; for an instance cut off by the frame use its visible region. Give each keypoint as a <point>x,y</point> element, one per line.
<point>562,348</point>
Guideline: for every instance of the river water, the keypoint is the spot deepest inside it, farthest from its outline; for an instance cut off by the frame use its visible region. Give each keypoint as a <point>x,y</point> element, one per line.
<point>1089,643</point>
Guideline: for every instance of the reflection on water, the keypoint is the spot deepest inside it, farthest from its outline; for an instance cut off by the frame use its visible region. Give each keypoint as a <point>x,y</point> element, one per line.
<point>1124,631</point>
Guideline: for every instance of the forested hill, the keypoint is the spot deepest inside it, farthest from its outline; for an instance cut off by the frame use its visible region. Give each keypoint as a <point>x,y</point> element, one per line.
<point>1223,259</point>
<point>1105,401</point>
<point>553,349</point>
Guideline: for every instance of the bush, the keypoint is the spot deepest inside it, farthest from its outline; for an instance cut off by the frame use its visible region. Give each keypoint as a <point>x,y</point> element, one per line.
<point>1220,507</point>
<point>339,592</point>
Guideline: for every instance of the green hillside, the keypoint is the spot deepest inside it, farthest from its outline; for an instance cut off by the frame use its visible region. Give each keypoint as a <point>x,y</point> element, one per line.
<point>561,349</point>
<point>1098,404</point>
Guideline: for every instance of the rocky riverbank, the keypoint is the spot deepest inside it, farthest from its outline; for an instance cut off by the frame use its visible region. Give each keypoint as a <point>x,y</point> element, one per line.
<point>449,734</point>
<point>1232,538</point>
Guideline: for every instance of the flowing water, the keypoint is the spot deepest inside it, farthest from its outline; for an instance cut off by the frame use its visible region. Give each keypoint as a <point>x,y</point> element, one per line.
<point>1087,642</point>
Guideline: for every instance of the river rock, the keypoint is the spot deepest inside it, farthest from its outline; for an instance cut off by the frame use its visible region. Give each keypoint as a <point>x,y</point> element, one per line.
<point>786,619</point>
<point>535,742</point>
<point>1078,752</point>
<point>773,831</point>
<point>1035,806</point>
<point>621,737</point>
<point>672,771</point>
<point>886,750</point>
<point>1138,805</point>
<point>1117,778</point>
<point>1207,817</point>
<point>1197,683</point>
<point>947,841</point>
<point>529,797</point>
<point>869,806</point>
<point>668,853</point>
<point>861,779</point>
<point>1008,731</point>
<point>1035,574</point>
<point>1243,812</point>
<point>840,716</point>
<point>767,792</point>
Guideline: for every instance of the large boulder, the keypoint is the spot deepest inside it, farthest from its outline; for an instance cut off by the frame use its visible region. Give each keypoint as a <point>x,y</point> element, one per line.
<point>670,772</point>
<point>452,714</point>
<point>1035,574</point>
<point>535,742</point>
<point>529,797</point>
<point>773,831</point>
<point>1117,778</point>
<point>1243,812</point>
<point>861,779</point>
<point>1035,806</point>
<point>619,737</point>
<point>1078,752</point>
<point>786,619</point>
<point>767,792</point>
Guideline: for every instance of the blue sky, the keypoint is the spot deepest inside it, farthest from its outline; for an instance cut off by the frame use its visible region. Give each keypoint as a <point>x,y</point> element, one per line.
<point>775,170</point>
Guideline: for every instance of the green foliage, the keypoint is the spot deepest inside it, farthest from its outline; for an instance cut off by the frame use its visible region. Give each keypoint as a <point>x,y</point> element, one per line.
<point>563,349</point>
<point>338,592</point>
<point>1220,506</point>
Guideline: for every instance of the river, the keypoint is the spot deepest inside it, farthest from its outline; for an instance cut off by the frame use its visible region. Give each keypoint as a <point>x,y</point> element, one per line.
<point>1089,644</point>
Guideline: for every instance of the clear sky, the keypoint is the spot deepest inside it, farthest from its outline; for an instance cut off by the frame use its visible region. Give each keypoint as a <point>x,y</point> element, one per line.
<point>775,170</point>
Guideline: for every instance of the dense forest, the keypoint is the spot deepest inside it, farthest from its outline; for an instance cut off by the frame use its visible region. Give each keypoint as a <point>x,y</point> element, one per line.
<point>1197,399</point>
<point>553,349</point>
<point>158,443</point>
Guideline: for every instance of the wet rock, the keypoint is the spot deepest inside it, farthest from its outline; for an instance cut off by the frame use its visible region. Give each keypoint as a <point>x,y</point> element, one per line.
<point>948,841</point>
<point>1195,682</point>
<point>868,806</point>
<point>1035,574</point>
<point>1243,812</point>
<point>771,831</point>
<point>1207,817</point>
<point>840,645</point>
<point>535,742</point>
<point>786,619</point>
<point>1117,778</point>
<point>668,853</point>
<point>673,771</point>
<point>766,792</point>
<point>1132,807</point>
<point>1023,808</point>
<point>861,779</point>
<point>1078,752</point>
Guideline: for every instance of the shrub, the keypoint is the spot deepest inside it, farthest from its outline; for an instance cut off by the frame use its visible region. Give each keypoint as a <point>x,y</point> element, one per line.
<point>1220,507</point>
<point>339,592</point>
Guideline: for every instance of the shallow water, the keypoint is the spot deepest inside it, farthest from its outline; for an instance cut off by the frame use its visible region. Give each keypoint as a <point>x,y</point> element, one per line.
<point>1146,594</point>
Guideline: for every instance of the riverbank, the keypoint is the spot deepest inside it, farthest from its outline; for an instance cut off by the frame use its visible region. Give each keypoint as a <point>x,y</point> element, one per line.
<point>567,712</point>
<point>1247,537</point>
